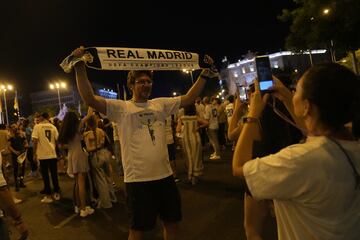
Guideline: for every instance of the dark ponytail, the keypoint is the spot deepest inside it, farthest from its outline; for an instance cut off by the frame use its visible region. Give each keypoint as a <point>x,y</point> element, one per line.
<point>334,89</point>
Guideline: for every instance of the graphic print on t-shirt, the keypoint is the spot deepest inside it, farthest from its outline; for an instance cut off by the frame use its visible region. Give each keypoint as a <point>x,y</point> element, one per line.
<point>229,112</point>
<point>148,119</point>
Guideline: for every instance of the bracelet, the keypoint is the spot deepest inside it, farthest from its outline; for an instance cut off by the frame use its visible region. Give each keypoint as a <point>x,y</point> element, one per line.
<point>250,120</point>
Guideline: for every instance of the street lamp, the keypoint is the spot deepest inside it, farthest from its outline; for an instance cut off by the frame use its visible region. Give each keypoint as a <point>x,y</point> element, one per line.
<point>57,86</point>
<point>4,89</point>
<point>326,11</point>
<point>191,74</point>
<point>174,94</point>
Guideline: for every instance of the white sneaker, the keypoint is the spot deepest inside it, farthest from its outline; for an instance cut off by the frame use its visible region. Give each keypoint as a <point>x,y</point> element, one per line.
<point>56,196</point>
<point>16,200</point>
<point>90,210</point>
<point>86,212</point>
<point>215,157</point>
<point>47,199</point>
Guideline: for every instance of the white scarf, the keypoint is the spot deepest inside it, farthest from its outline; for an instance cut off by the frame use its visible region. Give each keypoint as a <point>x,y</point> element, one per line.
<point>107,58</point>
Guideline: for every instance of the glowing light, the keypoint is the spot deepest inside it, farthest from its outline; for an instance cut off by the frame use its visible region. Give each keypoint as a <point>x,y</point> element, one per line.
<point>326,11</point>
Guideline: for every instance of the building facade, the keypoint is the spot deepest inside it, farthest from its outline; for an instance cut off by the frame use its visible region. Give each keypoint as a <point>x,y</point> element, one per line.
<point>243,72</point>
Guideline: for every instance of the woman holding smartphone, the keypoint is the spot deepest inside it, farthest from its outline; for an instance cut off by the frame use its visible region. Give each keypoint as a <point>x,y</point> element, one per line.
<point>274,134</point>
<point>314,185</point>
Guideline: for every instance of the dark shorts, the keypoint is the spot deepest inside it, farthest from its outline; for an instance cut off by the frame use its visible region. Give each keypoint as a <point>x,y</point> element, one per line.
<point>171,151</point>
<point>147,200</point>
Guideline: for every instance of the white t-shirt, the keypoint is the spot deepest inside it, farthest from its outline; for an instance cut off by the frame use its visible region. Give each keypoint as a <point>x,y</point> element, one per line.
<point>46,134</point>
<point>211,114</point>
<point>313,188</point>
<point>200,110</point>
<point>229,111</point>
<point>141,130</point>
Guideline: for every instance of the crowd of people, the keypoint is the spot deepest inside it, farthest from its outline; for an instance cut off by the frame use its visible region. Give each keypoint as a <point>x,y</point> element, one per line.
<point>297,153</point>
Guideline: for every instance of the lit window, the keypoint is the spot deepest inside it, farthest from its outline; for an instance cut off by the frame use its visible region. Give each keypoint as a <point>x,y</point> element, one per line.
<point>243,70</point>
<point>276,64</point>
<point>251,67</point>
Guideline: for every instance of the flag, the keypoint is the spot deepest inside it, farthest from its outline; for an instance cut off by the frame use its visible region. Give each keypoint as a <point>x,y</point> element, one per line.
<point>125,94</point>
<point>16,103</point>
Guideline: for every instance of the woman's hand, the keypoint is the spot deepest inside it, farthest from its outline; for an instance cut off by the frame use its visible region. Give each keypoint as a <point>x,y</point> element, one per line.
<point>257,102</point>
<point>281,92</point>
<point>240,105</point>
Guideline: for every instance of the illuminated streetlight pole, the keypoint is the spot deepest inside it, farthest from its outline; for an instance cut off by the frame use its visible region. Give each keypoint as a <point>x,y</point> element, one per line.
<point>325,12</point>
<point>3,88</point>
<point>57,86</point>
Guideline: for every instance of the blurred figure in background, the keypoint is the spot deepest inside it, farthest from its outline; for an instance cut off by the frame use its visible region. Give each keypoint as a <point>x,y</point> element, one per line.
<point>192,142</point>
<point>70,137</point>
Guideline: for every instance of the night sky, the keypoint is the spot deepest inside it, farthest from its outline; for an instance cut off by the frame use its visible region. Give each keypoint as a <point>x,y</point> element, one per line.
<point>37,35</point>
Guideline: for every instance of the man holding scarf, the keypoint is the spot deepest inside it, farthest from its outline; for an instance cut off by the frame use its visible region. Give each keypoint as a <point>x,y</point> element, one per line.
<point>150,187</point>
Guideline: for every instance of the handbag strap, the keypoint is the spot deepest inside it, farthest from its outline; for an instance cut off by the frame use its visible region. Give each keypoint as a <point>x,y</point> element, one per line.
<point>356,174</point>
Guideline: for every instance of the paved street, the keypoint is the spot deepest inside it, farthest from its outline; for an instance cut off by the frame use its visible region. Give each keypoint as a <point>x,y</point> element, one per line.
<point>212,210</point>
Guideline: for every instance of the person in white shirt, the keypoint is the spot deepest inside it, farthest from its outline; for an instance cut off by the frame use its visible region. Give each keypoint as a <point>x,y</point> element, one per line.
<point>44,138</point>
<point>200,107</point>
<point>150,187</point>
<point>315,186</point>
<point>211,115</point>
<point>229,109</point>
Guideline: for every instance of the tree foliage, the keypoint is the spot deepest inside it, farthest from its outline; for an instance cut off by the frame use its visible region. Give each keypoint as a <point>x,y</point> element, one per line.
<point>311,27</point>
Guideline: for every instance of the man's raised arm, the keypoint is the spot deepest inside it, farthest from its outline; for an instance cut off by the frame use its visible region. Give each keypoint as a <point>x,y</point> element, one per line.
<point>196,89</point>
<point>84,86</point>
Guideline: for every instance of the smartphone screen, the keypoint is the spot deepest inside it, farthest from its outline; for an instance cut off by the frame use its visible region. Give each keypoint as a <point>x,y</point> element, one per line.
<point>264,75</point>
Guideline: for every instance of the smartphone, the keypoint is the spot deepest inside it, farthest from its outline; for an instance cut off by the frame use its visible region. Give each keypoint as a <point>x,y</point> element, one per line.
<point>264,75</point>
<point>243,94</point>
